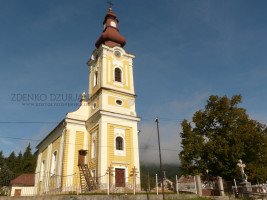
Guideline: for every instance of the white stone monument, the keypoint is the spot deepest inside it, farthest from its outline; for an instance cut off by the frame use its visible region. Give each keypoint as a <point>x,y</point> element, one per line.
<point>242,166</point>
<point>245,184</point>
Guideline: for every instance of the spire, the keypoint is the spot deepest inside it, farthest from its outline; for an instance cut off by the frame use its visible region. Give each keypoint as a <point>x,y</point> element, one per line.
<point>111,35</point>
<point>110,5</point>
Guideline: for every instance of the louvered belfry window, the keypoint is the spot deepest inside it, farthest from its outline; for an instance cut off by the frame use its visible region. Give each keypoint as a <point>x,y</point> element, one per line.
<point>119,143</point>
<point>118,74</point>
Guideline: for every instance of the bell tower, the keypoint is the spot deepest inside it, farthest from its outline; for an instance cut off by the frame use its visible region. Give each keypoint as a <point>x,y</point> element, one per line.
<point>112,123</point>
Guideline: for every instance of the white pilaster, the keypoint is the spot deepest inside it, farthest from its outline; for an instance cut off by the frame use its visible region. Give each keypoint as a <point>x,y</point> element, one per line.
<point>71,153</point>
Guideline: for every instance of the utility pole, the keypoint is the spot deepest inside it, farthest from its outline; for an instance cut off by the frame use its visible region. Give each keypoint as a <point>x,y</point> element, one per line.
<point>157,184</point>
<point>160,162</point>
<point>148,180</point>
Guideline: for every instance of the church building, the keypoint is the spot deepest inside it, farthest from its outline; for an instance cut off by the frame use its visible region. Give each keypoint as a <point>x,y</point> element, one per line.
<point>95,148</point>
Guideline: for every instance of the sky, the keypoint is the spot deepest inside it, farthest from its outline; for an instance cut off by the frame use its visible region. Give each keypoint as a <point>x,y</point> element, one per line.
<point>186,50</point>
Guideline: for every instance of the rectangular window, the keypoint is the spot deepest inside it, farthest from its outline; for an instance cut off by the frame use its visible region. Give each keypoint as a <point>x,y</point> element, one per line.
<point>17,192</point>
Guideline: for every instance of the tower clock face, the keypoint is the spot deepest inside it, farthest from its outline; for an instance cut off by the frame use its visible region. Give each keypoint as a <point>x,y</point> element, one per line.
<point>113,24</point>
<point>117,54</point>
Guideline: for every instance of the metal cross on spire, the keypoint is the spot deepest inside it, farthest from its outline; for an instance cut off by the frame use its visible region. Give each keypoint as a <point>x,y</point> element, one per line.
<point>110,5</point>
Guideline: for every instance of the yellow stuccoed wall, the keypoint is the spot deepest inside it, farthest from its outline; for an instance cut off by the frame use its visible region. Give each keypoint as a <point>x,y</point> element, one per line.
<point>91,103</point>
<point>56,147</point>
<point>112,101</point>
<point>93,89</point>
<point>79,144</point>
<point>125,72</point>
<point>44,156</point>
<point>128,159</point>
<point>92,163</point>
<point>65,157</point>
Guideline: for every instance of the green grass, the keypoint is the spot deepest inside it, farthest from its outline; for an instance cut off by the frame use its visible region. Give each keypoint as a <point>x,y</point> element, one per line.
<point>196,198</point>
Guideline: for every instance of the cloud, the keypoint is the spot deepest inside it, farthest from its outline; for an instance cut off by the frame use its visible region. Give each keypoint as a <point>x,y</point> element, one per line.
<point>169,138</point>
<point>260,117</point>
<point>6,142</point>
<point>187,104</point>
<point>179,108</point>
<point>44,131</point>
<point>170,116</point>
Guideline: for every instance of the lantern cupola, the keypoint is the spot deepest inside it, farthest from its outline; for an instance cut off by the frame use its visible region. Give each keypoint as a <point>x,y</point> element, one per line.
<point>111,36</point>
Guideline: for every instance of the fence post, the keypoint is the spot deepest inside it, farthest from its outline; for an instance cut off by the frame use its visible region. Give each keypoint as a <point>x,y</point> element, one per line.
<point>177,186</point>
<point>195,184</point>
<point>199,186</point>
<point>220,183</point>
<point>108,183</point>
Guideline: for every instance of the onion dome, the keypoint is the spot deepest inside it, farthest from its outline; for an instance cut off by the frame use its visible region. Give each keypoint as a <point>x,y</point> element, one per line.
<point>111,35</point>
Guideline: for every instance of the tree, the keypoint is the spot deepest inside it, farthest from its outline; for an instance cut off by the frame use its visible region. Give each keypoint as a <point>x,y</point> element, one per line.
<point>2,159</point>
<point>19,164</point>
<point>5,173</point>
<point>11,161</point>
<point>29,161</point>
<point>219,136</point>
<point>13,165</point>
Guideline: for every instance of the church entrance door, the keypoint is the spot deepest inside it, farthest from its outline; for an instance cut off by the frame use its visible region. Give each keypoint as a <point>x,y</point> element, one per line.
<point>119,177</point>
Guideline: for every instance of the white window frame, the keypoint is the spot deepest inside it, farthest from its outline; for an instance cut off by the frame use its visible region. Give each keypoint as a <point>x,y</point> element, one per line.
<point>93,146</point>
<point>117,82</point>
<point>117,103</point>
<point>54,163</point>
<point>42,171</point>
<point>94,105</point>
<point>96,76</point>
<point>119,132</point>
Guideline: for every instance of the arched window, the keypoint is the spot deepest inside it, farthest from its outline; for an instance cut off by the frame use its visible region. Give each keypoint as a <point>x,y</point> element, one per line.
<point>95,78</point>
<point>54,163</point>
<point>119,143</point>
<point>118,74</point>
<point>93,149</point>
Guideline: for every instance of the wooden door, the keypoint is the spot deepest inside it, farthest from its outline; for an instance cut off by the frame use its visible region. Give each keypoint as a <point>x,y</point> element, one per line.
<point>81,158</point>
<point>17,192</point>
<point>119,177</point>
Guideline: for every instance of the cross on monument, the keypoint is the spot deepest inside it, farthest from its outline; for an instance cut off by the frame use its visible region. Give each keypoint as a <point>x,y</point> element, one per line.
<point>110,4</point>
<point>242,166</point>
